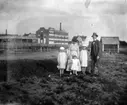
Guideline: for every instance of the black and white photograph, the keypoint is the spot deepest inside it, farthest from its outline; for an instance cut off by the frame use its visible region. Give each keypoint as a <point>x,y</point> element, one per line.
<point>63,52</point>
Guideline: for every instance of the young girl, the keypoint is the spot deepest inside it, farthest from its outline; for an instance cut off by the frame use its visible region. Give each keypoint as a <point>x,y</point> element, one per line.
<point>62,60</point>
<point>75,65</point>
<point>84,56</point>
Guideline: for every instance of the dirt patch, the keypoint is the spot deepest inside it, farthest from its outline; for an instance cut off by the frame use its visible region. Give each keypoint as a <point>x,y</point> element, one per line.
<point>53,90</point>
<point>40,84</point>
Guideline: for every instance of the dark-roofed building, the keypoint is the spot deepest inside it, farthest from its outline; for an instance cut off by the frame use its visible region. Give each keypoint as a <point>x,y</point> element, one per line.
<point>110,44</point>
<point>52,36</point>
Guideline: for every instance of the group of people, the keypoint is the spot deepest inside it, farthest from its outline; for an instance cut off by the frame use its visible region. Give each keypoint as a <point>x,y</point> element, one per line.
<point>75,58</point>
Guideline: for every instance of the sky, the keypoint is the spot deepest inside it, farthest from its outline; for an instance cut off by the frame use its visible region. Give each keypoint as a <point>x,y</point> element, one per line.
<point>78,17</point>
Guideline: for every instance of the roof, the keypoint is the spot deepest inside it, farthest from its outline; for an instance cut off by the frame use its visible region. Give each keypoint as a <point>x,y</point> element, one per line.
<point>16,37</point>
<point>110,40</point>
<point>51,30</point>
<point>8,35</point>
<point>60,32</point>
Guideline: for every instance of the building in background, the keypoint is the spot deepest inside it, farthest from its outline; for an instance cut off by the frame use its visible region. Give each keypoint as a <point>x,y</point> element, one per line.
<point>42,38</point>
<point>52,36</point>
<point>12,42</point>
<point>42,35</point>
<point>12,38</point>
<point>110,44</point>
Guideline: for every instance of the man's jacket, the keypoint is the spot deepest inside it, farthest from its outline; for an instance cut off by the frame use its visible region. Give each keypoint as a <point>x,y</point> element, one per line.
<point>95,48</point>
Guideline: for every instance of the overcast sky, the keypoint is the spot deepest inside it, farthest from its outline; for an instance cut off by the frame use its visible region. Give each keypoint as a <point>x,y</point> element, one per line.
<point>105,17</point>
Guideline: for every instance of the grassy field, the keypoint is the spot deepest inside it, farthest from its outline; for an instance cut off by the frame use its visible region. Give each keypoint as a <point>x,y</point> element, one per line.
<point>38,82</point>
<point>30,55</point>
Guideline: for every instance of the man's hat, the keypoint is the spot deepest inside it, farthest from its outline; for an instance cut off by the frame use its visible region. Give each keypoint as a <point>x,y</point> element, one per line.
<point>94,34</point>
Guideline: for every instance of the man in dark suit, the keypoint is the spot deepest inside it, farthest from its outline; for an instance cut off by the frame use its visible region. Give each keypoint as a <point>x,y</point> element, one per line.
<point>95,53</point>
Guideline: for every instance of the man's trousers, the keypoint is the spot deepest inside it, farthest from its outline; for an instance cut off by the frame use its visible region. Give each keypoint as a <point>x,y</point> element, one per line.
<point>94,65</point>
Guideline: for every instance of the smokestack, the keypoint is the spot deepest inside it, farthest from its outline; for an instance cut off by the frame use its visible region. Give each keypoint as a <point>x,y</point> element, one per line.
<point>60,26</point>
<point>6,32</point>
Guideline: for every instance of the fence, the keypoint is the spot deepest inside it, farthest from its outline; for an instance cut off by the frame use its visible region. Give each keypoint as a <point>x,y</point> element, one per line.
<point>26,47</point>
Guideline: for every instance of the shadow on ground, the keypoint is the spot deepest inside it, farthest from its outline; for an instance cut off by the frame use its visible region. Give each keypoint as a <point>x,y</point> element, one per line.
<point>17,69</point>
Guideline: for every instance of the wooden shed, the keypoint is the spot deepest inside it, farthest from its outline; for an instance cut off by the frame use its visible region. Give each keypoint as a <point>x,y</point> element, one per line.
<point>110,44</point>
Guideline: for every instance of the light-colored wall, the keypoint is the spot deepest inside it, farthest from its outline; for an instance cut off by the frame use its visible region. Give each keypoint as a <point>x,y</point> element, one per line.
<point>118,48</point>
<point>56,37</point>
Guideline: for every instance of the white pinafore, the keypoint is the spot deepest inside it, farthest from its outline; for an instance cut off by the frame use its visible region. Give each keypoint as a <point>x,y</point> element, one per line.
<point>84,55</point>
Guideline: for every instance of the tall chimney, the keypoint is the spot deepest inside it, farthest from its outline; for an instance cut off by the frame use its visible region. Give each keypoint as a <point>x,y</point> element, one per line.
<point>60,26</point>
<point>6,32</point>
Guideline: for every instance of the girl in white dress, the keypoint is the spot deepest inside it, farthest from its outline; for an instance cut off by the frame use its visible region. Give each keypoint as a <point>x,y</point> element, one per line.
<point>84,55</point>
<point>62,60</point>
<point>75,65</point>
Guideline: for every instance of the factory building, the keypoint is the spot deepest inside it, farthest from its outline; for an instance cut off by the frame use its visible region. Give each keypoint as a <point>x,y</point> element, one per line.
<point>52,36</point>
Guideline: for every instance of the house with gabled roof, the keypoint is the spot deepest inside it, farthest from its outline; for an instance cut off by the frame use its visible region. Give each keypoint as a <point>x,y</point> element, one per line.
<point>110,44</point>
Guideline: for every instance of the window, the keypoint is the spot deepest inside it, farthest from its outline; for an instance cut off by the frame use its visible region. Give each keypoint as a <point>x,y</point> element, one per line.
<point>110,48</point>
<point>51,34</point>
<point>51,42</point>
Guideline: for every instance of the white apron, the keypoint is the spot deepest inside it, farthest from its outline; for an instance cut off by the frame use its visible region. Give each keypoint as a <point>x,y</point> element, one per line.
<point>84,54</point>
<point>84,58</point>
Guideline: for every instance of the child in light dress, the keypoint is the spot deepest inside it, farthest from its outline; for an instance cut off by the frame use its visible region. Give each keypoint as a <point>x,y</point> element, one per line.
<point>62,60</point>
<point>75,65</point>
